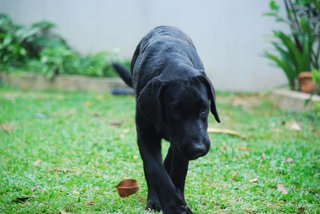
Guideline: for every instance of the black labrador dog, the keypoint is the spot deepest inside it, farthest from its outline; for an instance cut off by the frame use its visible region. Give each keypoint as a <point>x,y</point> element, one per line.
<point>172,103</point>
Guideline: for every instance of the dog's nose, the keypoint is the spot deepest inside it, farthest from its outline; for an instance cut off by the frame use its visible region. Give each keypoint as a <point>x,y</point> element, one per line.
<point>199,150</point>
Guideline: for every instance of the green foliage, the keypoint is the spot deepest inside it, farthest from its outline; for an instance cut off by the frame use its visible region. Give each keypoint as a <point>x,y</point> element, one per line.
<point>38,49</point>
<point>298,50</point>
<point>316,76</point>
<point>54,59</point>
<point>11,48</point>
<point>290,59</point>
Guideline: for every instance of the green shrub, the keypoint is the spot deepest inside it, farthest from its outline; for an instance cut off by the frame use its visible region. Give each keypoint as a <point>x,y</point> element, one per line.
<point>298,50</point>
<point>11,49</point>
<point>38,49</point>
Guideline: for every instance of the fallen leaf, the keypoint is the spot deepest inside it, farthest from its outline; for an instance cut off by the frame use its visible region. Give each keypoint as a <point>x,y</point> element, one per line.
<point>294,125</point>
<point>263,156</point>
<point>34,189</point>
<point>87,104</point>
<point>301,209</point>
<point>223,147</point>
<point>127,187</point>
<point>245,101</point>
<point>289,160</point>
<point>96,114</point>
<point>126,131</point>
<point>235,176</point>
<point>254,180</point>
<point>282,189</point>
<point>22,199</point>
<point>41,116</point>
<point>317,174</point>
<point>7,127</point>
<point>37,163</point>
<point>243,148</point>
<point>224,131</point>
<point>100,97</point>
<point>115,123</point>
<point>62,170</point>
<point>141,199</point>
<point>90,203</point>
<point>63,212</point>
<point>68,112</point>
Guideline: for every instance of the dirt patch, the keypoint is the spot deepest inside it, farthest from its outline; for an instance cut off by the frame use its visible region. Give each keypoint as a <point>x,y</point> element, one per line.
<point>246,101</point>
<point>39,95</point>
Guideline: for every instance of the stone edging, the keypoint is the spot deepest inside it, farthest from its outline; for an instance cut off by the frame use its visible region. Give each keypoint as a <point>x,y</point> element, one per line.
<point>61,82</point>
<point>293,100</point>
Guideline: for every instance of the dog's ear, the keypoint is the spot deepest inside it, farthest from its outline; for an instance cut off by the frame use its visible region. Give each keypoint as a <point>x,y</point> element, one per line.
<point>149,104</point>
<point>212,97</point>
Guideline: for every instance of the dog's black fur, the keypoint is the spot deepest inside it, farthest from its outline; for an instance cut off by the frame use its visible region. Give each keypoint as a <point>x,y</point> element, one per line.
<point>172,96</point>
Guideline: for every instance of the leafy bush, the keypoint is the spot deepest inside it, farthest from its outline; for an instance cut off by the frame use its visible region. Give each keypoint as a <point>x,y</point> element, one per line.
<point>11,48</point>
<point>316,76</point>
<point>298,50</point>
<point>38,49</point>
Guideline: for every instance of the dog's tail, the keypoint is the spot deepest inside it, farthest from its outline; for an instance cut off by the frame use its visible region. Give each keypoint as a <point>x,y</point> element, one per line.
<point>123,73</point>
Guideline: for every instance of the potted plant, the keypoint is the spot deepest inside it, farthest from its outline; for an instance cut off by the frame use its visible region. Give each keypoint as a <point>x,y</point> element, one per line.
<point>297,51</point>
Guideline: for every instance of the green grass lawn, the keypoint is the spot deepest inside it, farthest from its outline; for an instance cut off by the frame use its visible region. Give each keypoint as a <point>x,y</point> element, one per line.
<point>66,152</point>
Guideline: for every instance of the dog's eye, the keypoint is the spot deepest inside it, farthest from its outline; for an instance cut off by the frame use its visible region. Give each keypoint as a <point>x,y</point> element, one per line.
<point>203,111</point>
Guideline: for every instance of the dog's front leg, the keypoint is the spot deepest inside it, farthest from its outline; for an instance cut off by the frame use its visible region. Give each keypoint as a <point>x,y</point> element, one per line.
<point>157,178</point>
<point>153,202</point>
<point>177,168</point>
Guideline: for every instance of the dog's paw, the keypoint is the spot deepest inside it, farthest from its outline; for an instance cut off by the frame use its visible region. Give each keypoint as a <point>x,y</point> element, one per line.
<point>188,210</point>
<point>177,209</point>
<point>153,205</point>
<point>185,210</point>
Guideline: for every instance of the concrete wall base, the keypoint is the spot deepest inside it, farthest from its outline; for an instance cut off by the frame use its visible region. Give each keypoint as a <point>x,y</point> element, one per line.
<point>293,100</point>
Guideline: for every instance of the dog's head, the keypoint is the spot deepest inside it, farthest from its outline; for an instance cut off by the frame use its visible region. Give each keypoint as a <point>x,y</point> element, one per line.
<point>181,109</point>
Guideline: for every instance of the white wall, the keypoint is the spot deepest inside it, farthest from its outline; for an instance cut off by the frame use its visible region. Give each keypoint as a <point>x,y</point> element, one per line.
<point>230,35</point>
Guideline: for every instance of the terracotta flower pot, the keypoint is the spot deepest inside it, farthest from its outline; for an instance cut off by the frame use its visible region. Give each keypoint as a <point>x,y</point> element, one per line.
<point>306,82</point>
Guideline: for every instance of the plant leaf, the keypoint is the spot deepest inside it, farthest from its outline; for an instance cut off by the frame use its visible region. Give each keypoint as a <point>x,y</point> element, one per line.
<point>274,6</point>
<point>21,199</point>
<point>225,131</point>
<point>7,127</point>
<point>282,189</point>
<point>316,76</point>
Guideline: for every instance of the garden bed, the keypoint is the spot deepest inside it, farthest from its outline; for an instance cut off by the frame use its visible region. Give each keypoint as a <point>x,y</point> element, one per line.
<point>61,82</point>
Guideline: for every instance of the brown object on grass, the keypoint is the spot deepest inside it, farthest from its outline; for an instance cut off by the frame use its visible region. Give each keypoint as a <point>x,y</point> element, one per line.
<point>224,131</point>
<point>127,187</point>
